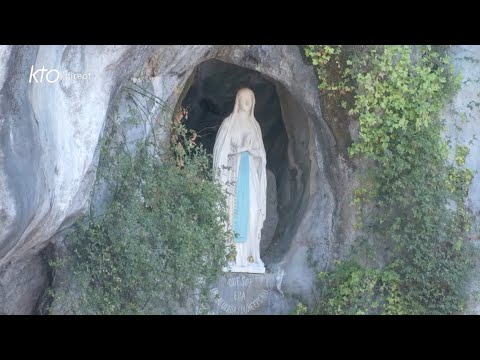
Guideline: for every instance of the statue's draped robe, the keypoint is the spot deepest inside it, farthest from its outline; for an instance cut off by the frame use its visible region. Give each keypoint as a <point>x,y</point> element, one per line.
<point>242,199</point>
<point>243,176</point>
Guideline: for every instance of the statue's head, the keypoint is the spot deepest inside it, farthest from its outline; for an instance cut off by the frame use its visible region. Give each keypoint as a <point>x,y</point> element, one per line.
<point>245,101</point>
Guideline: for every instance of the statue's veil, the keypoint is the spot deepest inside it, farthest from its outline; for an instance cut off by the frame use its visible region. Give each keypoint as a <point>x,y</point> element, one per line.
<point>224,132</point>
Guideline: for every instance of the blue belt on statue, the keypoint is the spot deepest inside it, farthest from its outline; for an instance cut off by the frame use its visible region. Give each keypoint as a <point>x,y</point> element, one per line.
<point>242,200</point>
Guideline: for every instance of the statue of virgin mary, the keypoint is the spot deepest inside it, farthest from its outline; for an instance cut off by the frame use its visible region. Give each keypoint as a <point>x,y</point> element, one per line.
<point>239,162</point>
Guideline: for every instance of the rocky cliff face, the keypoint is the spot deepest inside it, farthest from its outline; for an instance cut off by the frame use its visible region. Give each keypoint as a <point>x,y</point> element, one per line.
<point>49,132</point>
<point>463,128</point>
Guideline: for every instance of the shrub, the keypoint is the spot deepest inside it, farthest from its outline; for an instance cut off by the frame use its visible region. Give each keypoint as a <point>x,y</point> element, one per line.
<point>414,196</point>
<point>159,243</point>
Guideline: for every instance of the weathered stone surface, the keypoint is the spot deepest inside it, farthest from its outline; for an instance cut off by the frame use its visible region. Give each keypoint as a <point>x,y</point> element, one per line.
<point>466,105</point>
<point>48,136</point>
<point>22,283</point>
<point>49,132</point>
<point>271,220</point>
<point>463,128</point>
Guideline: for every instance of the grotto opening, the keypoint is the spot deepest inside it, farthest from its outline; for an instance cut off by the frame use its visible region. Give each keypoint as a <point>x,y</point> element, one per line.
<point>210,99</point>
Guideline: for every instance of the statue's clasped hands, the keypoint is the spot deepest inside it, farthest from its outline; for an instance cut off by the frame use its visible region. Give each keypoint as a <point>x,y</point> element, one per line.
<point>247,145</point>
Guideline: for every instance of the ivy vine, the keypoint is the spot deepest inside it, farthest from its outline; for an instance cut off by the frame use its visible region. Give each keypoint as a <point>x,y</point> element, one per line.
<point>411,202</point>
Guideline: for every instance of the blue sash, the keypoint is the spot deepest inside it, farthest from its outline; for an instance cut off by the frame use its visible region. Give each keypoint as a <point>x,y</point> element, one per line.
<point>242,201</point>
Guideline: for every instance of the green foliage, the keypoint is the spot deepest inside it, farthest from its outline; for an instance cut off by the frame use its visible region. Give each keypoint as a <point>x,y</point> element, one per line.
<point>300,309</point>
<point>160,242</point>
<point>357,290</point>
<point>413,199</point>
<point>329,65</point>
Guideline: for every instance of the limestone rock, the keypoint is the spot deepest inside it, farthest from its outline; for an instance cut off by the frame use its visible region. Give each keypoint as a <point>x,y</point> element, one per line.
<point>271,220</point>
<point>22,283</point>
<point>466,105</point>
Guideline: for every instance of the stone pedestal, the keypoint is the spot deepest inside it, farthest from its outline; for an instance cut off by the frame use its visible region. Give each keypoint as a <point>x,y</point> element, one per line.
<point>242,294</point>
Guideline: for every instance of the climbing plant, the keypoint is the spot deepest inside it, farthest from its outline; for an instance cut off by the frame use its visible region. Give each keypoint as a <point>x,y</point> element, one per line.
<point>158,244</point>
<point>411,201</point>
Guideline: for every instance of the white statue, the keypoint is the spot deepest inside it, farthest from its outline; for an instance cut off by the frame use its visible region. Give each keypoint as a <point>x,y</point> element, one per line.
<point>239,162</point>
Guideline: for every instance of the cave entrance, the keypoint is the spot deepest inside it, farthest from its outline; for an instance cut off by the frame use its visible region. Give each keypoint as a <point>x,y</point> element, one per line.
<point>210,99</point>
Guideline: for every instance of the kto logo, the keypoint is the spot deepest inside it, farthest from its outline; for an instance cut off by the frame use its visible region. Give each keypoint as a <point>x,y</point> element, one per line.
<point>51,75</point>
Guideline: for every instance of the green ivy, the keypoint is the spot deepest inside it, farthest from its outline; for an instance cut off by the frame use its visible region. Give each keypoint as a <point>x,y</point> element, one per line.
<point>357,290</point>
<point>412,200</point>
<point>159,244</point>
<point>300,309</point>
